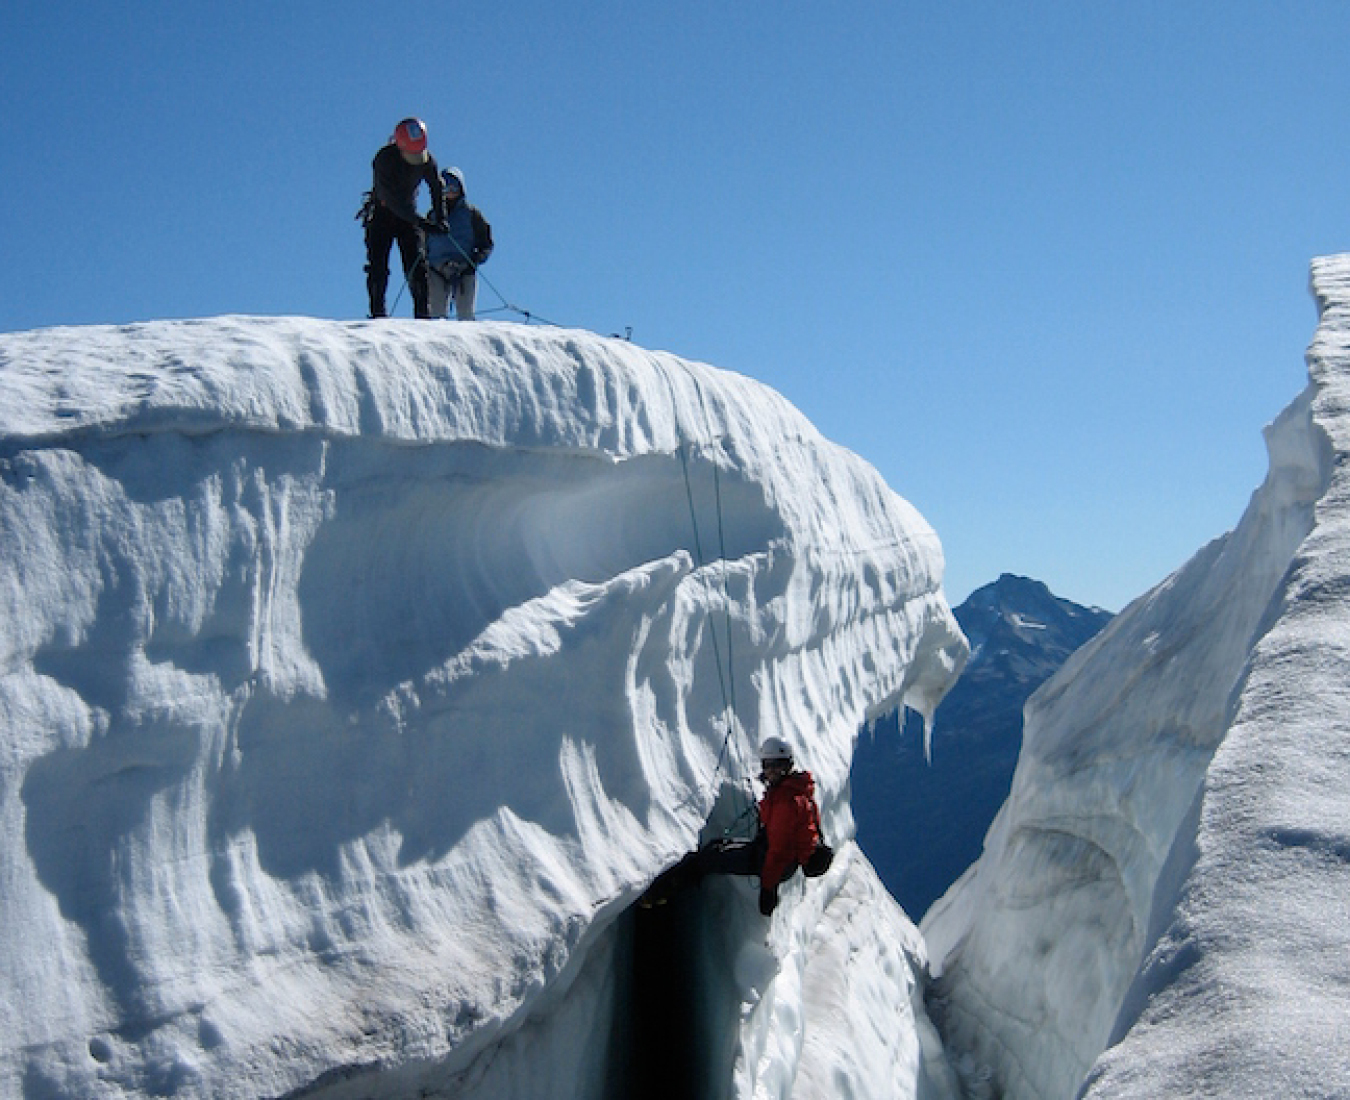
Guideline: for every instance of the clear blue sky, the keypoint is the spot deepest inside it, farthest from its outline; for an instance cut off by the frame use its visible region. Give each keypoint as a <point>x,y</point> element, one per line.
<point>1043,263</point>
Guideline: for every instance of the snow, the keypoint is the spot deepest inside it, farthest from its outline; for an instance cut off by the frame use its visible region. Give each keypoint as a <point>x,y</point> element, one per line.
<point>1169,875</point>
<point>355,679</point>
<point>1248,989</point>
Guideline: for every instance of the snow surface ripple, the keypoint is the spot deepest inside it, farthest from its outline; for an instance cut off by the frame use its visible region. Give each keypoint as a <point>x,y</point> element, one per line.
<point>356,677</point>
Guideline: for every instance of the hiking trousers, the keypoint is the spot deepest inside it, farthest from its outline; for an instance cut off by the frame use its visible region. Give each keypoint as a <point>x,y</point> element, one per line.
<point>382,231</point>
<point>721,857</point>
<point>460,281</point>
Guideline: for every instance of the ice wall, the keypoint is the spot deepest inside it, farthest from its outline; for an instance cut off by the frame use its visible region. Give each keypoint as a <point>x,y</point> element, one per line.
<point>355,677</point>
<point>1041,943</point>
<point>1247,992</point>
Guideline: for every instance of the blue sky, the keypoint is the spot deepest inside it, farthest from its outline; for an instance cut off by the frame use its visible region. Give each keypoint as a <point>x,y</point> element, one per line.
<point>1044,264</point>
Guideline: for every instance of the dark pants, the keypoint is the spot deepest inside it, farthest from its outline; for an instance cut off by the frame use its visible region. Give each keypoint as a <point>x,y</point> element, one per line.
<point>382,231</point>
<point>721,857</point>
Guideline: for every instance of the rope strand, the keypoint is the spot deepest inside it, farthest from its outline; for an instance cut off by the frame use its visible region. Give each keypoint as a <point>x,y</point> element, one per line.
<point>727,683</point>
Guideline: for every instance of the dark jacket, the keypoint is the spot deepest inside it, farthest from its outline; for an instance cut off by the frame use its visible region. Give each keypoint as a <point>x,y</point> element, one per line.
<point>791,824</point>
<point>395,184</point>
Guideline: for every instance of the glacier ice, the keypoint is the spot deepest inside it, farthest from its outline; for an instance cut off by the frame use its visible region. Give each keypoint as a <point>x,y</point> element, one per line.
<point>1168,876</point>
<point>1247,989</point>
<point>355,678</point>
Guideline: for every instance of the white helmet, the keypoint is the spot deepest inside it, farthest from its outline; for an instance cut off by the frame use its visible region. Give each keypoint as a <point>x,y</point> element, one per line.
<point>775,748</point>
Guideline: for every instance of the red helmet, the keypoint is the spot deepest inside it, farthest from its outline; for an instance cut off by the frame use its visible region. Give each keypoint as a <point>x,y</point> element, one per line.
<point>410,136</point>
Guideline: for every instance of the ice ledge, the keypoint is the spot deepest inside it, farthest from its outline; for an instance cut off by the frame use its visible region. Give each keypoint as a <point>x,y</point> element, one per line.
<point>1135,745</point>
<point>1241,991</point>
<point>353,678</point>
<point>1330,280</point>
<point>417,382</point>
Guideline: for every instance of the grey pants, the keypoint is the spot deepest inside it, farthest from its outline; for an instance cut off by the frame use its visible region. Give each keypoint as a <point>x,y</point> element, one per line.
<point>443,282</point>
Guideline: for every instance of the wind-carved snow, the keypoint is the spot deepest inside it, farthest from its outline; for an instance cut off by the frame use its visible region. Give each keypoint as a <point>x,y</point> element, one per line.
<point>1179,803</point>
<point>356,678</point>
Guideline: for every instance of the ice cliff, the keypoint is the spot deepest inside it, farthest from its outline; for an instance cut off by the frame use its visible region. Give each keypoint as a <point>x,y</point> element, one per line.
<point>356,678</point>
<point>1171,872</point>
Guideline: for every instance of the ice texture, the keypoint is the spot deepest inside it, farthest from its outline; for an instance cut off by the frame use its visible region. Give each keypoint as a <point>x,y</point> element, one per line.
<point>1169,874</point>
<point>356,678</point>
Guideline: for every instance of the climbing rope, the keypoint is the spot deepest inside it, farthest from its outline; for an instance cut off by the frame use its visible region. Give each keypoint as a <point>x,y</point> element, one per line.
<point>721,542</point>
<point>727,683</point>
<point>399,296</point>
<point>506,306</point>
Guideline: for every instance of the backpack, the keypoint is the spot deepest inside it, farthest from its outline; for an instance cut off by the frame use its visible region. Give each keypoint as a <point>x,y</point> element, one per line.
<point>820,860</point>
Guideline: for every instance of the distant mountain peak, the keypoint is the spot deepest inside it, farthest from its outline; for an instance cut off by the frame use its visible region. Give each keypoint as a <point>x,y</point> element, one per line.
<point>1009,609</point>
<point>1020,634</point>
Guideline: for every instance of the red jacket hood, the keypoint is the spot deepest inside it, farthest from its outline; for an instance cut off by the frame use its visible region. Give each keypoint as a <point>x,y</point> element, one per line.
<point>798,783</point>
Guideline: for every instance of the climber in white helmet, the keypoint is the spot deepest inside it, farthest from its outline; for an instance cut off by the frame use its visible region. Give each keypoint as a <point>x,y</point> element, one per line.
<point>788,837</point>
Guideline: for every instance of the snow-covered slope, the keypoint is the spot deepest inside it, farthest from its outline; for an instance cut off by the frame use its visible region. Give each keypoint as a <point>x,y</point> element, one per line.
<point>1181,803</point>
<point>356,678</point>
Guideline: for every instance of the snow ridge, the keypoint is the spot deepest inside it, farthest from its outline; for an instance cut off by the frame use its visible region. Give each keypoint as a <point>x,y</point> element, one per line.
<point>1245,993</point>
<point>1166,802</point>
<point>356,677</point>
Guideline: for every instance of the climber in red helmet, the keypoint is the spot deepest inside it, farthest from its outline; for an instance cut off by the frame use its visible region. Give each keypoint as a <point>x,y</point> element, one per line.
<point>390,213</point>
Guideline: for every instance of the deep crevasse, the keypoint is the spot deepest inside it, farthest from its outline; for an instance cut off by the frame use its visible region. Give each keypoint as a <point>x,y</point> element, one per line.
<point>355,678</point>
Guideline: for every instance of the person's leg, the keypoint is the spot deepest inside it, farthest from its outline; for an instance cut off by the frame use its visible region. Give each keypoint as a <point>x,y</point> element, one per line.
<point>466,295</point>
<point>414,266</point>
<point>732,857</point>
<point>438,293</point>
<point>721,857</point>
<point>379,240</point>
<point>673,880</point>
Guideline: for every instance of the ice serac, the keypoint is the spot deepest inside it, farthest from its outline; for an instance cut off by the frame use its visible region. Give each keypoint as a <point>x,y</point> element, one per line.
<point>1248,990</point>
<point>355,679</point>
<point>1169,872</point>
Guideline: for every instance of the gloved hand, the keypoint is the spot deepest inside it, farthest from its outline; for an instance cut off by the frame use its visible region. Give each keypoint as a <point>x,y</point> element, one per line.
<point>768,900</point>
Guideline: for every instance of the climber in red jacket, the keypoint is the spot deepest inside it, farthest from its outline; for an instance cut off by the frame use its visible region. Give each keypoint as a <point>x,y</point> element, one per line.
<point>788,837</point>
<point>788,817</point>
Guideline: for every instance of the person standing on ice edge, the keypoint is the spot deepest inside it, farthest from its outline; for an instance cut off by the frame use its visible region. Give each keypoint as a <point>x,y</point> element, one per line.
<point>390,213</point>
<point>455,250</point>
<point>788,837</point>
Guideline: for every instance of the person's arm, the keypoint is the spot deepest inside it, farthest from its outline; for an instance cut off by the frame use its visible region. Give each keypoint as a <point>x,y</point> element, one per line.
<point>778,834</point>
<point>436,189</point>
<point>776,861</point>
<point>482,237</point>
